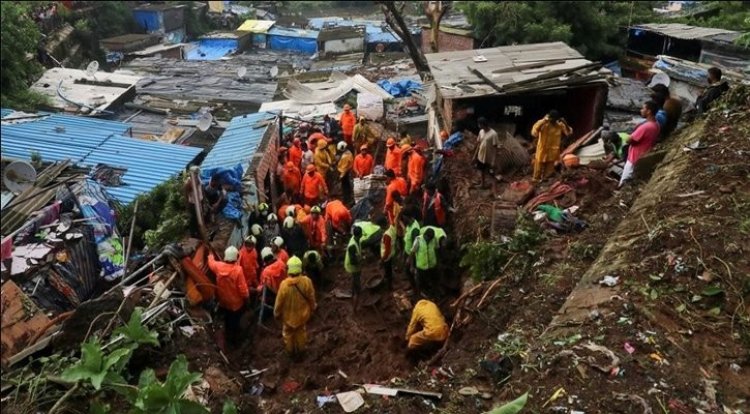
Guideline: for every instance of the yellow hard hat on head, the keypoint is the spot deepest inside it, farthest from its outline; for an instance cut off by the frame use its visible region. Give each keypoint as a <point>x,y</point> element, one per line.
<point>294,265</point>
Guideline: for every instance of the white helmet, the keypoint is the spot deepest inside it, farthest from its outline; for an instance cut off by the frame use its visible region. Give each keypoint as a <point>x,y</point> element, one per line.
<point>289,222</point>
<point>231,254</point>
<point>256,229</point>
<point>290,211</point>
<point>271,218</point>
<point>266,253</point>
<point>250,239</point>
<point>278,241</point>
<point>341,146</point>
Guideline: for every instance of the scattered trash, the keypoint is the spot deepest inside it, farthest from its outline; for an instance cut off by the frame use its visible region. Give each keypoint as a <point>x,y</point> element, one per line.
<point>610,281</point>
<point>636,399</point>
<point>734,367</point>
<point>569,340</point>
<point>614,360</point>
<point>325,399</point>
<point>256,389</point>
<point>629,348</point>
<point>658,358</point>
<point>557,394</point>
<point>499,370</point>
<point>467,391</point>
<point>594,314</point>
<point>253,373</point>
<point>188,331</point>
<point>343,374</point>
<point>219,383</point>
<point>350,401</point>
<point>486,396</point>
<point>695,146</point>
<point>290,387</point>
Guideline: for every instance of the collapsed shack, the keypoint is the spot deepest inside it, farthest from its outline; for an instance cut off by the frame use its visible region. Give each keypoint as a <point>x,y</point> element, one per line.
<point>518,84</point>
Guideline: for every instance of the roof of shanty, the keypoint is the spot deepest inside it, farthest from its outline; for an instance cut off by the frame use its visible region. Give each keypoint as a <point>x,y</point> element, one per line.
<point>159,7</point>
<point>341,32</point>
<point>128,38</point>
<point>151,50</point>
<point>223,35</point>
<point>683,31</point>
<point>293,32</point>
<point>88,142</point>
<point>337,86</point>
<point>256,26</point>
<point>239,142</point>
<point>509,69</point>
<point>186,86</point>
<point>99,91</point>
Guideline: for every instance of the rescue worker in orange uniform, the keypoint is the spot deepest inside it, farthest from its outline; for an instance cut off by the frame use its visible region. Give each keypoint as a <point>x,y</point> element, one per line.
<point>363,163</point>
<point>314,188</point>
<point>277,247</point>
<point>427,326</point>
<point>249,262</point>
<point>347,121</point>
<point>291,178</point>
<point>415,167</point>
<point>315,229</point>
<point>338,217</point>
<point>271,277</point>
<point>395,184</point>
<point>294,306</point>
<point>231,289</point>
<point>433,206</point>
<point>393,157</point>
<point>295,152</point>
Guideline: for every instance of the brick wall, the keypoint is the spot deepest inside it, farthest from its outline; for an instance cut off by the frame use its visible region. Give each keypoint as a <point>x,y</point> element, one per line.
<point>447,42</point>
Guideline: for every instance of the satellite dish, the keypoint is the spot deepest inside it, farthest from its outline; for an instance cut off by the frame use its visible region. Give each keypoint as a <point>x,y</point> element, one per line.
<point>241,72</point>
<point>205,122</point>
<point>19,176</point>
<point>662,78</point>
<point>92,68</point>
<point>274,71</point>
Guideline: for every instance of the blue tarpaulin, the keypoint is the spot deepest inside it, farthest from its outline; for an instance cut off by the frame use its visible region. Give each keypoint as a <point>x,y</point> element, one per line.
<point>305,41</point>
<point>400,88</point>
<point>233,178</point>
<point>212,49</point>
<point>149,20</point>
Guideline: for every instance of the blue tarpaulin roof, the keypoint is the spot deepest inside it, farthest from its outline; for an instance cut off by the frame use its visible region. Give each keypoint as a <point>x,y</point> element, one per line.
<point>148,20</point>
<point>239,142</point>
<point>282,38</point>
<point>89,141</point>
<point>375,31</point>
<point>211,49</point>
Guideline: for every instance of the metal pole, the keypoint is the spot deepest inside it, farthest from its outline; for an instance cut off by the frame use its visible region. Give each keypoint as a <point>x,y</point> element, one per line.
<point>130,236</point>
<point>194,180</point>
<point>136,273</point>
<point>262,305</point>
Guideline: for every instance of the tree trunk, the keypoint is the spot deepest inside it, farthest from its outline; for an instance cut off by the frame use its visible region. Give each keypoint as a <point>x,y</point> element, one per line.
<point>393,16</point>
<point>435,10</point>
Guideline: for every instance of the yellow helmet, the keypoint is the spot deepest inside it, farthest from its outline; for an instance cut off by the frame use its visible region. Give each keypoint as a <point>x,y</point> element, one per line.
<point>294,265</point>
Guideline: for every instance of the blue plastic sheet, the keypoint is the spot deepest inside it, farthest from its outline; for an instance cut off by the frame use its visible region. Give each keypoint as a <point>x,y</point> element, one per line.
<point>233,178</point>
<point>449,144</point>
<point>401,88</point>
<point>148,20</point>
<point>95,205</point>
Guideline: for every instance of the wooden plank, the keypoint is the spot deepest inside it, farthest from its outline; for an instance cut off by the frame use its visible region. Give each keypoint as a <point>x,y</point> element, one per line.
<point>20,319</point>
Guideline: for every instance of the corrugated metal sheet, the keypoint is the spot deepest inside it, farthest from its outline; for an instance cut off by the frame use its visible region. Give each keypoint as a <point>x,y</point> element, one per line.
<point>256,26</point>
<point>149,163</point>
<point>295,33</point>
<point>5,112</point>
<point>239,142</point>
<point>682,31</point>
<point>57,137</point>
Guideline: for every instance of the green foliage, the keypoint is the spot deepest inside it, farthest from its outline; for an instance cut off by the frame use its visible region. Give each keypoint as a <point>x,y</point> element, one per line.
<point>156,397</point>
<point>135,332</point>
<point>195,24</point>
<point>229,407</point>
<point>20,37</point>
<point>512,407</point>
<point>730,15</point>
<point>485,259</point>
<point>111,18</point>
<point>591,27</point>
<point>94,366</point>
<point>162,216</point>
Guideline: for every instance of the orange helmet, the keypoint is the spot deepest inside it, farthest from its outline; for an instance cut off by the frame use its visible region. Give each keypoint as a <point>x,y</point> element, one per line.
<point>289,164</point>
<point>390,142</point>
<point>571,160</point>
<point>310,168</point>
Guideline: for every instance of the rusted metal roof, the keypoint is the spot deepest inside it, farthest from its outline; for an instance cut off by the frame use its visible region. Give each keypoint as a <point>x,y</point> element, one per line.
<point>682,31</point>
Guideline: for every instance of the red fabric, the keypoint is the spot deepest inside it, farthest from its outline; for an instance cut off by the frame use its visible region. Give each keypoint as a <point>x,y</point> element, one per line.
<point>315,230</point>
<point>557,189</point>
<point>273,275</point>
<point>363,164</point>
<point>230,283</point>
<point>291,178</point>
<point>295,155</point>
<point>387,243</point>
<point>314,187</point>
<point>339,216</point>
<point>642,140</point>
<point>416,170</point>
<point>393,160</point>
<point>437,206</point>
<point>249,263</point>
<point>347,122</point>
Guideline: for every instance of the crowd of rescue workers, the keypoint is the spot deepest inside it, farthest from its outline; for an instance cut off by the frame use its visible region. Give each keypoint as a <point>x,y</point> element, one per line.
<point>281,263</point>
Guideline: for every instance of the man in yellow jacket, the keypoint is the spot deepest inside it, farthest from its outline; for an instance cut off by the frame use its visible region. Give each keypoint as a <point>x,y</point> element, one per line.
<point>344,168</point>
<point>294,306</point>
<point>322,158</point>
<point>427,326</point>
<point>548,132</point>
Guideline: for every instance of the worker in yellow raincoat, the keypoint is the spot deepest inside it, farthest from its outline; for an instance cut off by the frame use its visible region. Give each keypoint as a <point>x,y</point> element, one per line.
<point>548,132</point>
<point>426,315</point>
<point>322,158</point>
<point>294,306</point>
